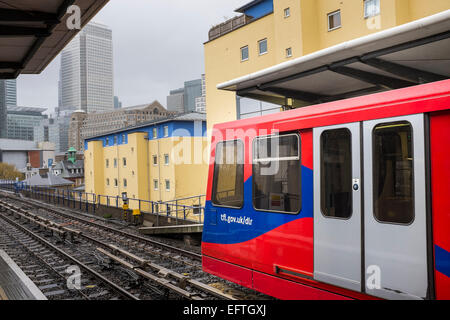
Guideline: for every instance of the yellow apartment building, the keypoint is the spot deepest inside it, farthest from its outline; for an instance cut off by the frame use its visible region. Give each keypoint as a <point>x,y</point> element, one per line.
<point>163,160</point>
<point>270,32</point>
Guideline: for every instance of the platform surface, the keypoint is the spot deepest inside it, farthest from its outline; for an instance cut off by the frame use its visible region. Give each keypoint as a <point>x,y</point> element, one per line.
<point>179,229</point>
<point>14,284</point>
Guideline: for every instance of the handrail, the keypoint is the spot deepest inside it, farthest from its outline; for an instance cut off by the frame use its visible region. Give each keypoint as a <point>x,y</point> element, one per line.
<point>82,200</point>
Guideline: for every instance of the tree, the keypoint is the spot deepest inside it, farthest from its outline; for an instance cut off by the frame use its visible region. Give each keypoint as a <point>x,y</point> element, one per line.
<point>9,172</point>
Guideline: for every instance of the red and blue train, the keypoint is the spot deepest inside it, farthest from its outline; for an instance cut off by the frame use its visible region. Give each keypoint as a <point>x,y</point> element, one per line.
<point>343,200</point>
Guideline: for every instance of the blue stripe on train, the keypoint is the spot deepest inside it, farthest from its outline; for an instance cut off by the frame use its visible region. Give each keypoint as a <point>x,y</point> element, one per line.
<point>442,258</point>
<point>229,226</point>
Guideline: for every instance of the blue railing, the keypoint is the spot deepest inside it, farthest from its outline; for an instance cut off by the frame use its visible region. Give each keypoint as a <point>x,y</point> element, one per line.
<point>190,209</point>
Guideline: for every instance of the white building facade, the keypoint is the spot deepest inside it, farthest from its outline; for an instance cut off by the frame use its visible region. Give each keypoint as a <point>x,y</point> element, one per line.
<point>200,102</point>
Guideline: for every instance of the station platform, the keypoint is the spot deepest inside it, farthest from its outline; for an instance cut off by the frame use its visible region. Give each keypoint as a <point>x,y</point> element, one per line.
<point>14,284</point>
<point>179,229</point>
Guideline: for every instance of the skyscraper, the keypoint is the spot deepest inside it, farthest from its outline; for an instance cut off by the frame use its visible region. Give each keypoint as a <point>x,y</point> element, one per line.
<point>117,103</point>
<point>8,98</point>
<point>55,130</point>
<point>22,121</point>
<point>192,90</point>
<point>86,75</point>
<point>200,102</point>
<point>184,99</point>
<point>175,101</point>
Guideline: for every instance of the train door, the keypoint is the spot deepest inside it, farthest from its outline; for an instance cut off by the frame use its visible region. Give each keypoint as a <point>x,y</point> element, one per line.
<point>337,205</point>
<point>395,219</point>
<point>371,225</point>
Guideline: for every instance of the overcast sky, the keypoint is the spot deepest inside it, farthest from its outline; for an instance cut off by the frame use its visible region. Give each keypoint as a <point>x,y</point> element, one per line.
<point>158,44</point>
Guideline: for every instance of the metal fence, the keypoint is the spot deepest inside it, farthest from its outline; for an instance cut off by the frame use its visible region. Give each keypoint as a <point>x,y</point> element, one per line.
<point>178,209</point>
<point>190,209</point>
<point>228,26</point>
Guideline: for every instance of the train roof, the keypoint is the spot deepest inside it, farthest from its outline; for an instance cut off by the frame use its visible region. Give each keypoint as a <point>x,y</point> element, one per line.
<point>435,97</point>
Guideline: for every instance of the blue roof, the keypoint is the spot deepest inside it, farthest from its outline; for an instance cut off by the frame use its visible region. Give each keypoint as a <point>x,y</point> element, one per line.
<point>178,126</point>
<point>248,6</point>
<point>257,9</point>
<point>192,116</point>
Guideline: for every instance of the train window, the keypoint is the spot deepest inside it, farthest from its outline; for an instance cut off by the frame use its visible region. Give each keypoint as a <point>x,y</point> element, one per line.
<point>393,173</point>
<point>336,173</point>
<point>277,173</point>
<point>228,183</point>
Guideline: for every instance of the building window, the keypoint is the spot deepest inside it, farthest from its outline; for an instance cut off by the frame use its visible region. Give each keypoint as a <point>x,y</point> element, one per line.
<point>115,140</point>
<point>107,142</point>
<point>124,183</point>
<point>288,52</point>
<point>155,133</point>
<point>371,8</point>
<point>155,184</point>
<point>166,159</point>
<point>166,131</point>
<point>277,174</point>
<point>107,163</point>
<point>244,53</point>
<point>116,183</point>
<point>336,173</point>
<point>393,173</point>
<point>334,20</point>
<point>123,139</point>
<point>228,181</point>
<point>155,160</point>
<point>167,185</point>
<point>107,182</point>
<point>287,12</point>
<point>124,160</point>
<point>262,45</point>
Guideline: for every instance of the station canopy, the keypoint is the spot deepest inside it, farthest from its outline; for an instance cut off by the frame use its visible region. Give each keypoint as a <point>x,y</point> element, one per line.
<point>414,53</point>
<point>33,32</point>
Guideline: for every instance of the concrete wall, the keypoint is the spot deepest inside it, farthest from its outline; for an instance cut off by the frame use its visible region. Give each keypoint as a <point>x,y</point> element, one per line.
<point>15,158</point>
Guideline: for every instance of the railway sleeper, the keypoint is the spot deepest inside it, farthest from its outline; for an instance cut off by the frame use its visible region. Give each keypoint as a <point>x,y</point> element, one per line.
<point>51,228</point>
<point>160,281</point>
<point>161,271</point>
<point>122,235</point>
<point>57,230</point>
<point>183,281</point>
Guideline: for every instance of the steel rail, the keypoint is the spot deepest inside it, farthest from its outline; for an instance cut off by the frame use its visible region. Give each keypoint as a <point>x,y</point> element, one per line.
<point>47,265</point>
<point>190,254</point>
<point>109,283</point>
<point>180,279</point>
<point>60,229</point>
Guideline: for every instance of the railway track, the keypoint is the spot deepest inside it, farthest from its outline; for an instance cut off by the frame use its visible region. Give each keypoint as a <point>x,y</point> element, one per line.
<point>169,271</point>
<point>89,220</point>
<point>46,266</point>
